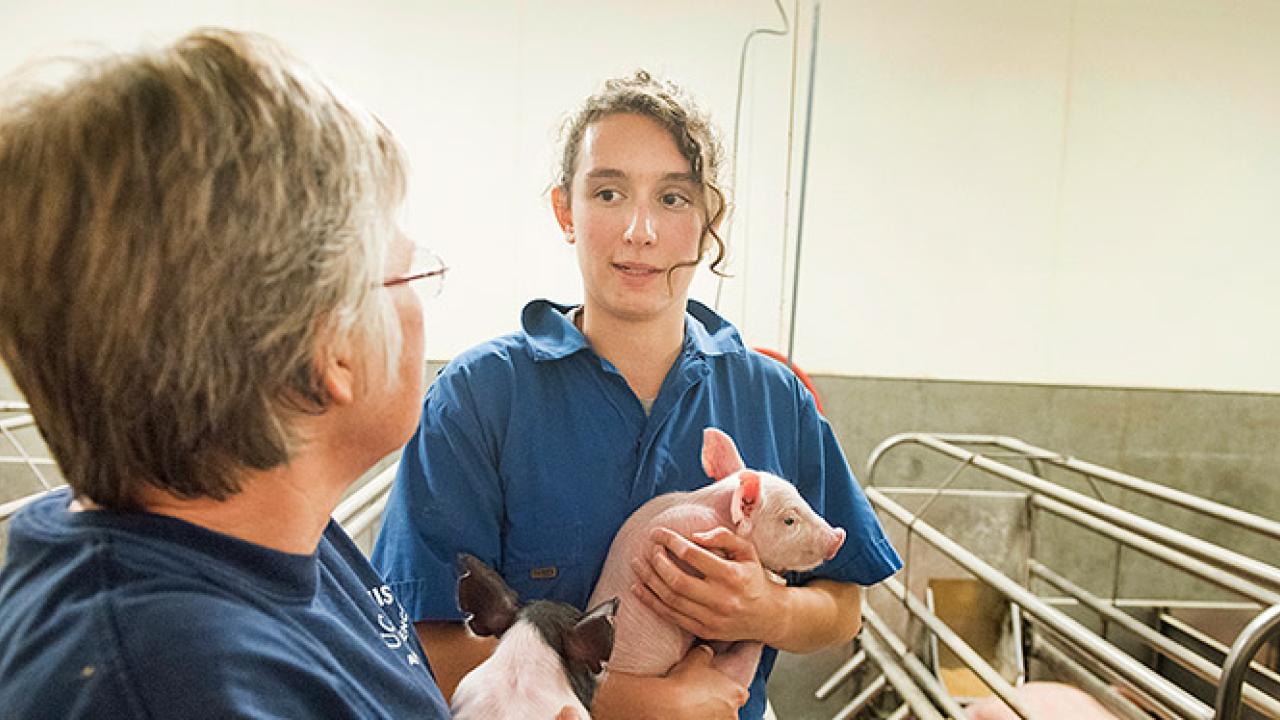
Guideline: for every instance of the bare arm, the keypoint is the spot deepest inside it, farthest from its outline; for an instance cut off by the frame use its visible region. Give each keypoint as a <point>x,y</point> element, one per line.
<point>452,651</point>
<point>820,614</point>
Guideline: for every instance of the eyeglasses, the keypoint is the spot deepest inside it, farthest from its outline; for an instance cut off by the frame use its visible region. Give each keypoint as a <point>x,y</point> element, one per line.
<point>425,268</point>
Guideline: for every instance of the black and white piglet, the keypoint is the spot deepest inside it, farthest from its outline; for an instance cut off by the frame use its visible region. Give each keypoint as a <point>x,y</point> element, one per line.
<point>550,659</point>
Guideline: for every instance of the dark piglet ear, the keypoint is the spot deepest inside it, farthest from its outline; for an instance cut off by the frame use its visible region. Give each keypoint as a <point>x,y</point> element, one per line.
<point>485,597</point>
<point>590,642</point>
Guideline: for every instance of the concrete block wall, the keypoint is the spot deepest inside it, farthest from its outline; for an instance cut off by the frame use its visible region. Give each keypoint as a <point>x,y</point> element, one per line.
<point>1217,445</point>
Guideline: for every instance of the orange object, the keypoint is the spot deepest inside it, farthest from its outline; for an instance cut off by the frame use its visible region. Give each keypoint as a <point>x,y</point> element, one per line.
<point>804,377</point>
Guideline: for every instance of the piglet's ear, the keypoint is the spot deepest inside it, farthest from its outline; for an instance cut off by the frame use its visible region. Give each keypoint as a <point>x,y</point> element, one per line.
<point>720,457</point>
<point>590,642</point>
<point>483,595</point>
<point>746,500</point>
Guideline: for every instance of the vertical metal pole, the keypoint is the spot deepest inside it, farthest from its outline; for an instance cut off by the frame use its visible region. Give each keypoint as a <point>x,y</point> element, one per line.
<point>804,184</point>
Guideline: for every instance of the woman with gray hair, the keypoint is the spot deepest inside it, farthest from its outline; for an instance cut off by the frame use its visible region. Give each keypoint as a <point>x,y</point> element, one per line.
<point>207,301</point>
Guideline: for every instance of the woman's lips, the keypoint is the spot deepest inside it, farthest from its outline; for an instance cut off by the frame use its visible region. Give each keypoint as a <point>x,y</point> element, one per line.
<point>636,269</point>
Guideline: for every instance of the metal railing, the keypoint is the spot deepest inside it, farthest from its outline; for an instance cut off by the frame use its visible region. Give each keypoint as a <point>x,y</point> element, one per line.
<point>7,427</point>
<point>1063,637</point>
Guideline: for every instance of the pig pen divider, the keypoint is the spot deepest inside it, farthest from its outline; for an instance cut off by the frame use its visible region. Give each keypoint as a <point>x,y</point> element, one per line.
<point>1129,665</point>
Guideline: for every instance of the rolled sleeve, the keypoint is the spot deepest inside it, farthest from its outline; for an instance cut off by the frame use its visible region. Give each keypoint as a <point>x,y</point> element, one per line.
<point>826,480</point>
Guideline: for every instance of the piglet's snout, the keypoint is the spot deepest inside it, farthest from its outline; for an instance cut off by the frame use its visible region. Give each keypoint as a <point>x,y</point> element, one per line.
<point>834,540</point>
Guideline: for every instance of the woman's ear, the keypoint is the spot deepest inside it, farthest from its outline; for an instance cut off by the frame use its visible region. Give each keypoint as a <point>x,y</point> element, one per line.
<point>564,216</point>
<point>338,372</point>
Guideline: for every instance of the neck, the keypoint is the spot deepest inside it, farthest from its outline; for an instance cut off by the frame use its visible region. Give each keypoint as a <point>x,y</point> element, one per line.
<point>285,508</point>
<point>642,350</point>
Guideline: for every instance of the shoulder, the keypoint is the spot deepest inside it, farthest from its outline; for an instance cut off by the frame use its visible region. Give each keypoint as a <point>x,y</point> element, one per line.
<point>545,333</point>
<point>717,339</point>
<point>766,380</point>
<point>211,656</point>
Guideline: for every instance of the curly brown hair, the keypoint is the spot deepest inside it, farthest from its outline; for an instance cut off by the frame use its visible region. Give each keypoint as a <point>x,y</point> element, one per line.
<point>667,104</point>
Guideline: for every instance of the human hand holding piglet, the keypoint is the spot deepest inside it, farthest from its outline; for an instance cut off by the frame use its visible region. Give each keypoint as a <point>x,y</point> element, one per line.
<point>692,690</point>
<point>728,595</point>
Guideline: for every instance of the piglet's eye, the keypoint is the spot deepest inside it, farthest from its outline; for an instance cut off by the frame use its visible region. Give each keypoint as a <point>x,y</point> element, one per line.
<point>789,521</point>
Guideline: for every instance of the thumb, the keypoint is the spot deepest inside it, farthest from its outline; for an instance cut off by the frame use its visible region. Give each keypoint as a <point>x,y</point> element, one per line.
<point>568,713</point>
<point>698,656</point>
<point>728,543</point>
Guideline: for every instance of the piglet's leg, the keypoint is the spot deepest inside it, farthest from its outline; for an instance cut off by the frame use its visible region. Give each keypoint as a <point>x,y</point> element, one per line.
<point>737,660</point>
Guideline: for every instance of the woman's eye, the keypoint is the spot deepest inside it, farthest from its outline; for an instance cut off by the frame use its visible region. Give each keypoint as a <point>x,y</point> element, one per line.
<point>674,200</point>
<point>608,195</point>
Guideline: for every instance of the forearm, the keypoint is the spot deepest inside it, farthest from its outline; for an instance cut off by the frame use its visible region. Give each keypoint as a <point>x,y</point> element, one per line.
<point>631,697</point>
<point>452,651</point>
<point>820,614</point>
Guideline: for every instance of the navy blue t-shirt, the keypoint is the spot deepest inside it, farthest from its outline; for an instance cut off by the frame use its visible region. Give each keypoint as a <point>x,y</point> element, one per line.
<point>533,450</point>
<point>133,615</point>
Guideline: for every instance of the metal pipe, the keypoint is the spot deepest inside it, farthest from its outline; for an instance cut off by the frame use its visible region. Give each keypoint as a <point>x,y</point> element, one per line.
<point>1095,647</point>
<point>901,713</point>
<point>840,675</point>
<point>897,676</point>
<point>1226,513</point>
<point>1068,669</point>
<point>9,509</point>
<point>923,676</point>
<point>15,460</point>
<point>1194,503</point>
<point>16,422</point>
<point>1195,633</point>
<point>862,699</point>
<point>368,493</point>
<point>1183,656</point>
<point>804,184</point>
<point>7,427</point>
<point>1191,565</point>
<point>1242,651</point>
<point>366,517</point>
<point>11,406</point>
<point>962,649</point>
<point>1242,565</point>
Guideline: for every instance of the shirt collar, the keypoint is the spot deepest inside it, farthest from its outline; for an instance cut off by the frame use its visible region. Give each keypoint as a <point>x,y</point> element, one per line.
<point>552,335</point>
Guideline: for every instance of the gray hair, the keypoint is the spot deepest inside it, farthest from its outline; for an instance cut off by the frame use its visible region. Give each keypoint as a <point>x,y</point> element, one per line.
<point>186,231</point>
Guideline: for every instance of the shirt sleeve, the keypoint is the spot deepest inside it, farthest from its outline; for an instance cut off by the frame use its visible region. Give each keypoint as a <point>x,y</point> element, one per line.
<point>447,499</point>
<point>827,482</point>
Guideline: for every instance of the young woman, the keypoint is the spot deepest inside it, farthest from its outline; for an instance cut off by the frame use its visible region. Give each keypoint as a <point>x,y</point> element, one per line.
<point>534,447</point>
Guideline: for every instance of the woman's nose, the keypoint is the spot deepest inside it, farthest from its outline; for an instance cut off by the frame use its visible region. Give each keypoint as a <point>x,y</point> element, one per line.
<point>641,228</point>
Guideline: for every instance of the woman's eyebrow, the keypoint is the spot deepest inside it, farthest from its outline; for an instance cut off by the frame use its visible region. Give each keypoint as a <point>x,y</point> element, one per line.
<point>611,173</point>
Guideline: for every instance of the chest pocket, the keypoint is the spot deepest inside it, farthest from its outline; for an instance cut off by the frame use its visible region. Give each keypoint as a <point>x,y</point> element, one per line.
<point>548,511</point>
<point>562,509</point>
<point>544,559</point>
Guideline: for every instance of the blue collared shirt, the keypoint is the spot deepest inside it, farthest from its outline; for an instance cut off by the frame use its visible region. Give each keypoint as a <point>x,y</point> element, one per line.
<point>533,450</point>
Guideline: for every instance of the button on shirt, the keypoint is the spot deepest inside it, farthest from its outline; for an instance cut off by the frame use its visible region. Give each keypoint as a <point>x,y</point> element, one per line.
<point>533,450</point>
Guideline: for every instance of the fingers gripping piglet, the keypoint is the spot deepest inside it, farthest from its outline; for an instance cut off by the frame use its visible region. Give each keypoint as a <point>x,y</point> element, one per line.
<point>550,659</point>
<point>757,506</point>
